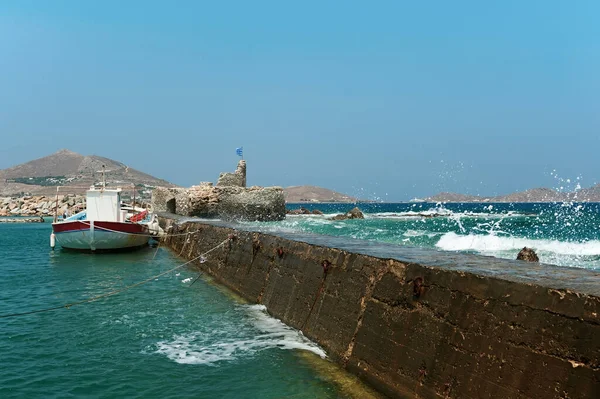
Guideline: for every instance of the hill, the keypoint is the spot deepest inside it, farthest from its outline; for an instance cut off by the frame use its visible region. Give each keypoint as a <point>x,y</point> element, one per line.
<point>314,194</point>
<point>70,169</point>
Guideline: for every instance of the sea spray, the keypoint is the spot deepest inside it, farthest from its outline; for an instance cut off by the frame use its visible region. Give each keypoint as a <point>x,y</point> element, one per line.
<point>565,234</point>
<point>254,331</point>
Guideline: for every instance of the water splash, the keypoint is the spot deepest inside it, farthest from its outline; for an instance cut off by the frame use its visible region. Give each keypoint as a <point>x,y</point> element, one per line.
<point>255,331</point>
<point>572,225</point>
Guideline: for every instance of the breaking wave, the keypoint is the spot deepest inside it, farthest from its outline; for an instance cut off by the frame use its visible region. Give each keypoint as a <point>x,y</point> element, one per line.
<point>550,251</point>
<point>491,243</point>
<point>420,233</point>
<point>232,341</point>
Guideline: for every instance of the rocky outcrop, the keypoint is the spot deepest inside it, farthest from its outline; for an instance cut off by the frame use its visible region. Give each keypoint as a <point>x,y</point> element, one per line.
<point>300,211</point>
<point>233,202</point>
<point>235,179</point>
<point>354,213</point>
<point>303,211</point>
<point>528,255</point>
<point>41,205</point>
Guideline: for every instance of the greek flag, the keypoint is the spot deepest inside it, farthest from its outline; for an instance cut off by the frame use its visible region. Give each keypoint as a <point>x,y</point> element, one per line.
<point>240,151</point>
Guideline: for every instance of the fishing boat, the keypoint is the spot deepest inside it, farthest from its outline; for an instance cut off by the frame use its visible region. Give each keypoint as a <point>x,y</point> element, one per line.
<point>105,224</point>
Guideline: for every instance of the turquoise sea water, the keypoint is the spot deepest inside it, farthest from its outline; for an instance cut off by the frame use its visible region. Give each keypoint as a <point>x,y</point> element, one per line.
<point>565,234</point>
<point>167,339</point>
<point>160,340</point>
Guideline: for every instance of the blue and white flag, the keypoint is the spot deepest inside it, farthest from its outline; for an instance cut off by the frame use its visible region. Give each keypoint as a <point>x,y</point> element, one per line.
<point>240,151</point>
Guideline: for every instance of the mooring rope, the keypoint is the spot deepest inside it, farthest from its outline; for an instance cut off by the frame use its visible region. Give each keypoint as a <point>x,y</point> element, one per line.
<point>136,234</point>
<point>114,292</point>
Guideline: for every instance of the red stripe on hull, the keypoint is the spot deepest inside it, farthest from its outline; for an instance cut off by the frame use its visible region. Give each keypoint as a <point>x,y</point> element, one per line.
<point>76,225</point>
<point>69,226</point>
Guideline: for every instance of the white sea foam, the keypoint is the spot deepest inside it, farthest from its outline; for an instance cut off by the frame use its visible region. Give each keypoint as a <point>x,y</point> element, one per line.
<point>235,341</point>
<point>442,213</point>
<point>491,244</point>
<point>420,233</point>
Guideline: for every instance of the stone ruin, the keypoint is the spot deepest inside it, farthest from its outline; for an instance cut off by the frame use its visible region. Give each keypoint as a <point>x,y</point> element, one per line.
<point>229,199</point>
<point>235,179</point>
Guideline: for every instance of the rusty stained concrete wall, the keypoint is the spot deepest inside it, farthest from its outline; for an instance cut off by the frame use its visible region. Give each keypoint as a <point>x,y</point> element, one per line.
<point>407,329</point>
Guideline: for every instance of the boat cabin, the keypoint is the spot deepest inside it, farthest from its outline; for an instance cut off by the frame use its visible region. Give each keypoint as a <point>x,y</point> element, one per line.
<point>104,204</point>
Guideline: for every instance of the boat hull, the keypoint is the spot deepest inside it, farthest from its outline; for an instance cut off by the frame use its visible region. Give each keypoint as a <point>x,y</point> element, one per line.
<point>99,235</point>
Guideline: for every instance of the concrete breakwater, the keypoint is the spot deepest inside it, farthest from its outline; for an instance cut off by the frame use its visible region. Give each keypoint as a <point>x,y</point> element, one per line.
<point>22,220</point>
<point>414,322</point>
<point>41,205</point>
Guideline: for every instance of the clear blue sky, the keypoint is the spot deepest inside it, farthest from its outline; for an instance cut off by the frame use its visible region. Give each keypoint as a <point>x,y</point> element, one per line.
<point>387,100</point>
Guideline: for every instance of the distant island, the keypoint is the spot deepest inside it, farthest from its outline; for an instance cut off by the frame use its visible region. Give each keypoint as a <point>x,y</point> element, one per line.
<point>591,194</point>
<point>300,194</point>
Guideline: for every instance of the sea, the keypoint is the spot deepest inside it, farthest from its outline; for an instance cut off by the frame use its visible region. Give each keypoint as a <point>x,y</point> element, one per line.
<point>180,335</point>
<point>177,336</point>
<point>563,234</point>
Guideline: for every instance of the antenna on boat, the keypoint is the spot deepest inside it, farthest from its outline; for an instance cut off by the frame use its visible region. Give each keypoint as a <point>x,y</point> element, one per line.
<point>134,199</point>
<point>103,179</point>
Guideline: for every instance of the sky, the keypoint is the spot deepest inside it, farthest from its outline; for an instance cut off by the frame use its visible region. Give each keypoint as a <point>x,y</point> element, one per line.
<point>385,100</point>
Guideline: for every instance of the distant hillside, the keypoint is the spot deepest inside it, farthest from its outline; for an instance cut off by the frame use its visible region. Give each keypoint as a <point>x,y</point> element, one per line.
<point>314,194</point>
<point>591,194</point>
<point>68,168</point>
<point>453,197</point>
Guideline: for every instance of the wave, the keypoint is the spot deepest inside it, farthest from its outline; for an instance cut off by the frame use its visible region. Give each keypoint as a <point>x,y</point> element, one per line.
<point>421,233</point>
<point>432,213</point>
<point>233,342</point>
<point>313,216</point>
<point>492,243</point>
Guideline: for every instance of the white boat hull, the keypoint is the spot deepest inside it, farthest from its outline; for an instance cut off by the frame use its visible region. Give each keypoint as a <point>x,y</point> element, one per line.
<point>97,235</point>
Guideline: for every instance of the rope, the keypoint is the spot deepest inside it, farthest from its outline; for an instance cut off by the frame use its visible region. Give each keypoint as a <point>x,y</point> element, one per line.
<point>115,292</point>
<point>136,234</point>
<point>157,248</point>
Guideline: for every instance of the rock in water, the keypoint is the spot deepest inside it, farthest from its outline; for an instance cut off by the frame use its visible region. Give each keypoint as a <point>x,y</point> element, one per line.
<point>528,255</point>
<point>355,213</point>
<point>301,211</point>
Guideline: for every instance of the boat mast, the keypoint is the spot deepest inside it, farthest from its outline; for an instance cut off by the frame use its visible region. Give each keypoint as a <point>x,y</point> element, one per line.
<point>56,207</point>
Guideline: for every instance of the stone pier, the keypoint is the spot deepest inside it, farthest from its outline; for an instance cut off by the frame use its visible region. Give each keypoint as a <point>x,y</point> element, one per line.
<point>414,322</point>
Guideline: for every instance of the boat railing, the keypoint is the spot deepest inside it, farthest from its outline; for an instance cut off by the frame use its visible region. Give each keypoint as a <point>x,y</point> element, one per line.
<point>78,216</point>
